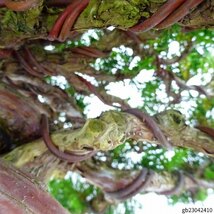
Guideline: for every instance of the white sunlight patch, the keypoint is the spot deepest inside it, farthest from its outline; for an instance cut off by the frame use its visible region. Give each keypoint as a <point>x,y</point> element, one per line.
<point>145,76</point>
<point>153,204</point>
<point>96,106</point>
<point>174,48</point>
<point>41,98</point>
<point>49,47</point>
<point>134,156</point>
<point>125,90</point>
<point>90,79</point>
<point>169,154</point>
<point>199,79</point>
<point>59,81</point>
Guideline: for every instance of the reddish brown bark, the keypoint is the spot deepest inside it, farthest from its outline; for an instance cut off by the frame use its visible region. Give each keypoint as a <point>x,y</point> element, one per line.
<point>20,193</point>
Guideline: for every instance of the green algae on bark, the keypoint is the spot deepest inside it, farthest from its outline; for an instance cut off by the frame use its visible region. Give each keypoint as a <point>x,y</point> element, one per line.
<point>16,26</point>
<point>104,13</point>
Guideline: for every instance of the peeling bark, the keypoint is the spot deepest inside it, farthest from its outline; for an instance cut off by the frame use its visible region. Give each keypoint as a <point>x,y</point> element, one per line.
<point>19,117</point>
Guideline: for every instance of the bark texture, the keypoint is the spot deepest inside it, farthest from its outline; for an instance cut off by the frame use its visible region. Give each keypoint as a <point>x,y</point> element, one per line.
<point>36,22</point>
<point>21,193</point>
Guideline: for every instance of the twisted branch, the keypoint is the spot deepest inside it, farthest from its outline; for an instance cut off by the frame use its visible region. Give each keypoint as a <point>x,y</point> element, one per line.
<point>25,62</point>
<point>179,13</point>
<point>152,125</point>
<point>133,188</point>
<point>170,13</point>
<point>158,17</point>
<point>70,157</point>
<point>179,185</point>
<point>66,20</point>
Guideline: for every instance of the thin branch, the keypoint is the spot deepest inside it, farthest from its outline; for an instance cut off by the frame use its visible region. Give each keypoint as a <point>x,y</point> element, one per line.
<point>179,13</point>
<point>69,157</point>
<point>162,13</point>
<point>66,20</point>
<point>132,188</point>
<point>178,187</point>
<point>152,125</point>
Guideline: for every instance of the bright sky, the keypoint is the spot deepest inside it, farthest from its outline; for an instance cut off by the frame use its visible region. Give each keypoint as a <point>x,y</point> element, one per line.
<point>153,204</point>
<point>121,89</point>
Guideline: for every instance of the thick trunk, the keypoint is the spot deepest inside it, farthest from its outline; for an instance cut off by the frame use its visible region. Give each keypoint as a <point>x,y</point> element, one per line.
<point>19,116</point>
<point>21,193</point>
<point>36,22</point>
<point>112,129</point>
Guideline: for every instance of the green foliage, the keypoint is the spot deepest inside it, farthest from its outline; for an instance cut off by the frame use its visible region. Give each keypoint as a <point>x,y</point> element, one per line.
<point>120,62</point>
<point>201,195</point>
<point>189,197</point>
<point>70,198</point>
<point>183,198</point>
<point>209,172</point>
<point>203,112</point>
<point>155,157</point>
<point>86,39</point>
<point>127,207</point>
<point>80,102</point>
<point>149,94</point>
<point>73,195</point>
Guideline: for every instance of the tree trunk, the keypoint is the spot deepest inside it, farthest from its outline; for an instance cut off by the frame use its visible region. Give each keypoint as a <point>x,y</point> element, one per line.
<point>21,193</point>
<point>112,129</point>
<point>36,22</point>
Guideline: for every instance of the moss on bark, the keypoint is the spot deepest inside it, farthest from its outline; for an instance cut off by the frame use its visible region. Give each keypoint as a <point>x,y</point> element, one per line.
<point>17,27</point>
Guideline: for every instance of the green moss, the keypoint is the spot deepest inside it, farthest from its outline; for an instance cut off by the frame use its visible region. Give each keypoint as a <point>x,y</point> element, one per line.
<point>103,13</point>
<point>104,133</point>
<point>120,13</point>
<point>25,153</point>
<point>51,16</point>
<point>95,126</point>
<point>22,21</point>
<point>15,25</point>
<point>50,20</point>
<point>172,119</point>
